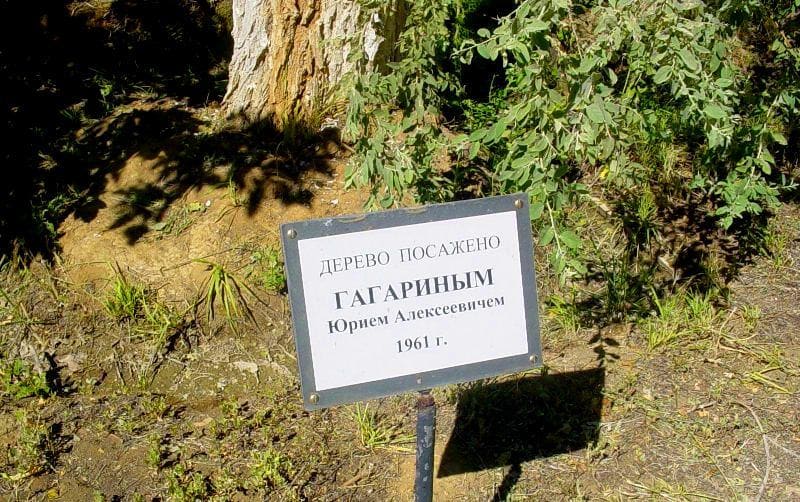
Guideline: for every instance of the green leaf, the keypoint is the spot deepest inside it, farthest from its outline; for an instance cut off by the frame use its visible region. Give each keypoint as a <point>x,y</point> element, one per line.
<point>767,156</point>
<point>547,236</point>
<point>540,145</point>
<point>496,131</point>
<point>587,63</point>
<point>474,148</point>
<point>596,113</point>
<point>724,82</point>
<point>779,138</point>
<point>521,162</point>
<point>714,64</point>
<point>612,77</point>
<point>535,25</point>
<point>689,59</point>
<point>714,111</point>
<point>570,239</point>
<point>477,135</point>
<point>578,266</point>
<point>662,75</point>
<point>506,174</point>
<point>536,210</point>
<point>522,50</point>
<point>606,147</point>
<point>559,264</point>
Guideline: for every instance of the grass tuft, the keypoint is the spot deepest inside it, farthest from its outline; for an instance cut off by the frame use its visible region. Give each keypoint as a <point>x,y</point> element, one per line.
<point>679,316</point>
<point>566,313</point>
<point>223,288</point>
<point>126,299</point>
<point>373,434</point>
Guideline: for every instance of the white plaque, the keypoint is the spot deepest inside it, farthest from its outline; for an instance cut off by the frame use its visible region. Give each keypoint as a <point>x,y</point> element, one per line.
<point>405,300</point>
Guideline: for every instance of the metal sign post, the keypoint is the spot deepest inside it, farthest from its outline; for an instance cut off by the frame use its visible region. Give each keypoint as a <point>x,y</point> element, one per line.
<point>426,440</point>
<point>410,299</point>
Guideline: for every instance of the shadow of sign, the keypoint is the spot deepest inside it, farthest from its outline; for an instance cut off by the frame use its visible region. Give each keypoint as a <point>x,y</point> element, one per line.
<point>508,423</point>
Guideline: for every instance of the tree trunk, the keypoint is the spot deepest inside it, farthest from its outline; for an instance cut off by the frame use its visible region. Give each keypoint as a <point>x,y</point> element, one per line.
<point>288,55</point>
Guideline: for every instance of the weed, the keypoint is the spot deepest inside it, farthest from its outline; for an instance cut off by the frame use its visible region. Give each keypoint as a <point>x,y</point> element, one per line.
<point>751,314</point>
<point>565,312</point>
<point>125,299</point>
<point>713,276</point>
<point>18,379</point>
<point>86,386</point>
<point>666,326</point>
<point>623,292</point>
<point>373,434</point>
<point>761,377</point>
<point>661,488</point>
<point>12,311</point>
<point>270,468</point>
<point>155,452</point>
<point>776,244</point>
<point>639,219</point>
<point>157,324</point>
<point>156,406</point>
<point>266,267</point>
<point>234,197</point>
<point>33,451</point>
<point>232,413</point>
<point>157,321</point>
<point>105,87</point>
<point>178,220</point>
<point>701,313</point>
<point>680,315</point>
<point>222,287</point>
<point>184,485</point>
<point>127,422</point>
<point>225,483</point>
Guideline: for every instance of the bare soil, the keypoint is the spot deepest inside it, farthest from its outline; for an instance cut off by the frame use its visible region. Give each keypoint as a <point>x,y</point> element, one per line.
<point>215,413</point>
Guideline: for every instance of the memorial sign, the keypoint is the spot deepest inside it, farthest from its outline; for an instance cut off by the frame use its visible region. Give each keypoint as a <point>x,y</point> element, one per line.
<point>410,299</point>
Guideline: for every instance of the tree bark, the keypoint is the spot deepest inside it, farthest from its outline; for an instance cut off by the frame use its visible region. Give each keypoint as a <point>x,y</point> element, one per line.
<point>288,55</point>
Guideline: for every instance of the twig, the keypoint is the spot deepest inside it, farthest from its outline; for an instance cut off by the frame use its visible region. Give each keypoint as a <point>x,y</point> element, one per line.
<point>713,460</point>
<point>351,483</point>
<point>119,372</point>
<point>785,449</point>
<point>766,450</point>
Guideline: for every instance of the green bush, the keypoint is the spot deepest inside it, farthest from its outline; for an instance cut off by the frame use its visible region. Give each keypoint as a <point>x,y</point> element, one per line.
<point>669,102</point>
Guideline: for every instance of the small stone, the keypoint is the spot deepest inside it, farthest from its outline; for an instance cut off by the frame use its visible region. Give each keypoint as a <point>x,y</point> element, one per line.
<point>247,366</point>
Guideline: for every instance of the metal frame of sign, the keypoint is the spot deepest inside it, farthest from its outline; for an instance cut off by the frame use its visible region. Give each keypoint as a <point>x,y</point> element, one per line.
<point>292,233</point>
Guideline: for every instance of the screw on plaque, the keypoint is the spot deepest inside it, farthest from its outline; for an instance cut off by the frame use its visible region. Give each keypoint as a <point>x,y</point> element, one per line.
<point>518,204</point>
<point>534,359</point>
<point>291,233</point>
<point>313,398</point>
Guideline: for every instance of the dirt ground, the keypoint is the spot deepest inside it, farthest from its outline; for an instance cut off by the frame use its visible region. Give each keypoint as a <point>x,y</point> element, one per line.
<point>211,409</point>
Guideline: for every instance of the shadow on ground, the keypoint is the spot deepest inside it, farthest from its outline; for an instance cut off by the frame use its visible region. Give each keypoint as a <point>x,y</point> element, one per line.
<point>508,423</point>
<point>87,85</point>
<point>254,162</point>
